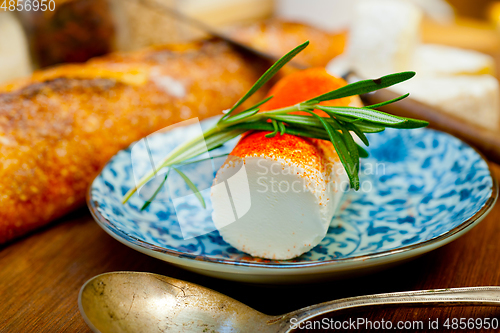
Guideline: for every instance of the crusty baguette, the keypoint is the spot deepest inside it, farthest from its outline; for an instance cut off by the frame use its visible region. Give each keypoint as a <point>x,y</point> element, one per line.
<point>59,127</point>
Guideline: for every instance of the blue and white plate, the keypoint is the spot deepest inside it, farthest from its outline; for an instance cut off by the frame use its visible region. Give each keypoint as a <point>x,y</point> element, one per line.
<point>421,189</point>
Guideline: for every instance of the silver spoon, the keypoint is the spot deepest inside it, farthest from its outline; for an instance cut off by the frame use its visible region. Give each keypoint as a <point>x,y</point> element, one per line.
<point>146,302</point>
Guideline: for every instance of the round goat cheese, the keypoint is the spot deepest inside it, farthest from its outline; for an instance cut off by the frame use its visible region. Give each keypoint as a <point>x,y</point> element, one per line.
<point>275,198</point>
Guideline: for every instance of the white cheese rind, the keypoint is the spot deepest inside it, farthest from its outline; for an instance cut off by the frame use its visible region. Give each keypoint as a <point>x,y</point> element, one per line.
<point>14,54</point>
<point>383,37</point>
<point>433,59</point>
<point>328,15</point>
<point>290,209</point>
<point>474,98</point>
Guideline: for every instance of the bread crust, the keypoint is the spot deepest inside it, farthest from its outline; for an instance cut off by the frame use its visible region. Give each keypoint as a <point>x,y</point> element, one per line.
<point>59,127</point>
<point>276,36</point>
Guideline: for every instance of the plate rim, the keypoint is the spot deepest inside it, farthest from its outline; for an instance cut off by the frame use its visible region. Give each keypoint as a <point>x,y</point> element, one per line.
<point>223,262</point>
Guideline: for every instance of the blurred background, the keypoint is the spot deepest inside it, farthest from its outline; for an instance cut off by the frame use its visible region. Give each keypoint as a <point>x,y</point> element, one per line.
<point>452,45</point>
<point>79,29</point>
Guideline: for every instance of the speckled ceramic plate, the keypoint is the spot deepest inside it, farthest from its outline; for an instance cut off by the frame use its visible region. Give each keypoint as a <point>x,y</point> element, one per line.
<point>421,189</point>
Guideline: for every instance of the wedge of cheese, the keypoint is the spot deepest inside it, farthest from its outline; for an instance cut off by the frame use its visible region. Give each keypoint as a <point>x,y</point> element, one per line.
<point>285,191</point>
<point>475,98</point>
<point>14,54</point>
<point>327,15</point>
<point>383,37</point>
<point>434,59</point>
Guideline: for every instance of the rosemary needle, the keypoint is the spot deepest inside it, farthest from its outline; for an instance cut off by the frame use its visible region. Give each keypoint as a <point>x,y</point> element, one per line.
<point>336,128</point>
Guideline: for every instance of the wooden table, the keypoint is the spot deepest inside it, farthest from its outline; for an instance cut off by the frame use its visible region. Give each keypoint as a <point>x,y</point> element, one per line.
<point>40,276</point>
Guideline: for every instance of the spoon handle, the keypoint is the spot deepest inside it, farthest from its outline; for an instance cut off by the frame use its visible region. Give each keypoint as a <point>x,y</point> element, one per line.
<point>486,296</point>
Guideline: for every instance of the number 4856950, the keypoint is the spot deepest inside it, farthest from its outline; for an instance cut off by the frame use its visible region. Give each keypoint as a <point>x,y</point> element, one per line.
<point>28,5</point>
<point>471,323</point>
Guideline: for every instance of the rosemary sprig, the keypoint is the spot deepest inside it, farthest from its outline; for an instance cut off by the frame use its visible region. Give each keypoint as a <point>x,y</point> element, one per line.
<point>150,200</point>
<point>269,74</point>
<point>336,128</point>
<point>190,184</point>
<point>363,87</point>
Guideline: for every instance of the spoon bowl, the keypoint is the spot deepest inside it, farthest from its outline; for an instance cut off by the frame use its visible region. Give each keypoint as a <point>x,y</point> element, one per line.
<point>146,302</point>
